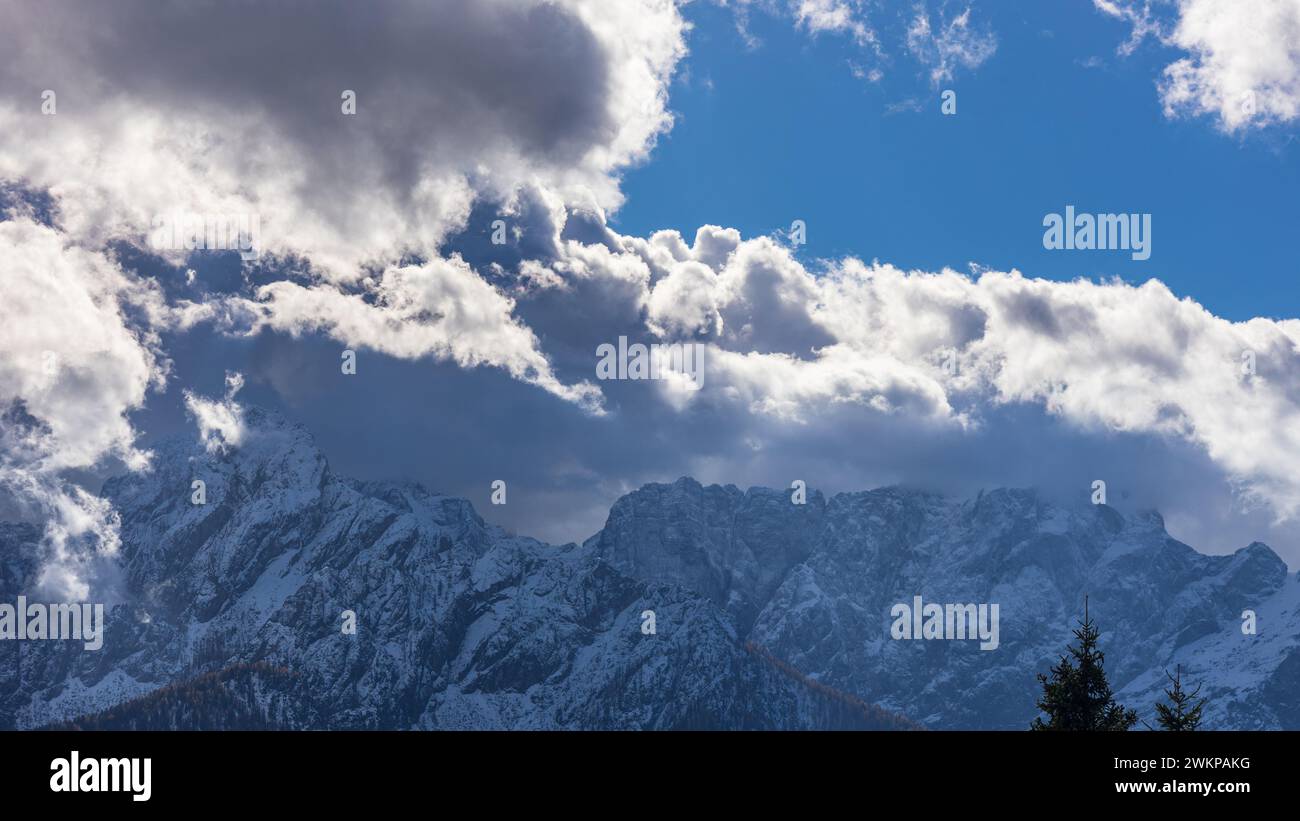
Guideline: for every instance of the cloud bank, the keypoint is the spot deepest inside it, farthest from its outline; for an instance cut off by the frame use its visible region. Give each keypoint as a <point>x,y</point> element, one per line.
<point>374,237</point>
<point>788,341</point>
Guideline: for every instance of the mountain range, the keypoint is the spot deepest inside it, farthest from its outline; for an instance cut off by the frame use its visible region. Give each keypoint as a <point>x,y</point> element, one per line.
<point>694,607</point>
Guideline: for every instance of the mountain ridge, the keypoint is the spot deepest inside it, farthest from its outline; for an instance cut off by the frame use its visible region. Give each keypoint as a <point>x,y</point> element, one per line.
<point>464,625</point>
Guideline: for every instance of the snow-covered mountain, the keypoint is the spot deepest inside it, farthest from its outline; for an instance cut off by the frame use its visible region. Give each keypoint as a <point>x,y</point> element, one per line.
<point>767,614</point>
<point>815,585</point>
<point>459,625</point>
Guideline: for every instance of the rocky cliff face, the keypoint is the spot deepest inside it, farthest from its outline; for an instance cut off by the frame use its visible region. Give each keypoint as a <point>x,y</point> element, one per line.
<point>767,614</point>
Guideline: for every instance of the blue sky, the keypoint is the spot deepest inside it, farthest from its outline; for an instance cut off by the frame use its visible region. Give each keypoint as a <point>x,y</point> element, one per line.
<point>784,130</point>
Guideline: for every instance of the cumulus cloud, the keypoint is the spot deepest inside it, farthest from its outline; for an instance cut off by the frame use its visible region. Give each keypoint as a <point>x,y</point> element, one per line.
<point>1243,63</point>
<point>191,110</point>
<point>684,303</point>
<point>943,349</point>
<point>947,348</point>
<point>764,298</point>
<point>851,374</point>
<point>73,357</point>
<point>80,347</point>
<point>473,101</point>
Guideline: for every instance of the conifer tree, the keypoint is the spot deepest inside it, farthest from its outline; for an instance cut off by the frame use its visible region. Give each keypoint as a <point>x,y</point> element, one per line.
<point>1077,695</point>
<point>1180,715</point>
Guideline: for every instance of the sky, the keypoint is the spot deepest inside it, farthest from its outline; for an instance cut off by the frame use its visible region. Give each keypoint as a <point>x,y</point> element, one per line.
<point>1054,117</point>
<point>642,164</point>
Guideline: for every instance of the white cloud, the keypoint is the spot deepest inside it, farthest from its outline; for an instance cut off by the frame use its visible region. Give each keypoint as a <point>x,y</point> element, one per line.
<point>684,303</point>
<point>1243,63</point>
<point>847,17</point>
<point>764,298</point>
<point>71,354</point>
<point>940,41</point>
<point>78,353</point>
<point>954,43</point>
<point>1139,15</point>
<point>1108,357</point>
<point>453,103</point>
<point>440,309</point>
<point>220,421</point>
<point>839,16</point>
<point>794,390</point>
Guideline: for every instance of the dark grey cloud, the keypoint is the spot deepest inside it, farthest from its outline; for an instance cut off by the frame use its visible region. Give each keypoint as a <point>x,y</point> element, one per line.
<point>237,108</point>
<point>434,81</point>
